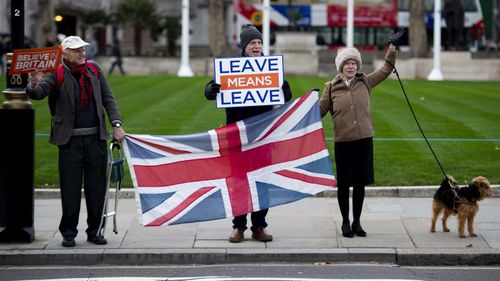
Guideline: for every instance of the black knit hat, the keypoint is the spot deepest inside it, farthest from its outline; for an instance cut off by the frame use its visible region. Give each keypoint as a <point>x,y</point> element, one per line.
<point>247,34</point>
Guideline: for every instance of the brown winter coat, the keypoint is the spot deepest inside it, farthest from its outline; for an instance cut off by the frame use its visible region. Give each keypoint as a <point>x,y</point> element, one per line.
<point>350,106</point>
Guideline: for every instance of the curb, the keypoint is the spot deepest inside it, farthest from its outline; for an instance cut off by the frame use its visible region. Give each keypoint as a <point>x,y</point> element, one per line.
<point>448,257</point>
<point>402,257</point>
<point>371,191</point>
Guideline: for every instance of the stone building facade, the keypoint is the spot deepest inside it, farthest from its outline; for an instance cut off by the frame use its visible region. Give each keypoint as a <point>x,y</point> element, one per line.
<point>41,27</point>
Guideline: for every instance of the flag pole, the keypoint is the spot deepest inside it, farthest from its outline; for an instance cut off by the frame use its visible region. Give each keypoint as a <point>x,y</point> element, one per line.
<point>185,69</point>
<point>436,74</point>
<point>266,27</point>
<point>350,23</point>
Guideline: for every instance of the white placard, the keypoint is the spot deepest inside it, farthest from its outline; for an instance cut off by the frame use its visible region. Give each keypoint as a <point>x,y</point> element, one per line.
<point>249,81</point>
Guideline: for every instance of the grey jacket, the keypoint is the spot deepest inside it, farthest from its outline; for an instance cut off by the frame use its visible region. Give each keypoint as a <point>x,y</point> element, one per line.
<point>63,119</point>
<point>350,105</point>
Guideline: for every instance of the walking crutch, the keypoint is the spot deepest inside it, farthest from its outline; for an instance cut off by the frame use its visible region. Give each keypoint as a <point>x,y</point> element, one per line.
<point>115,175</point>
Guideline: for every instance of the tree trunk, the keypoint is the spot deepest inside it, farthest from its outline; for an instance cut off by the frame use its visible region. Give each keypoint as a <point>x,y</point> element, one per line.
<point>216,27</point>
<point>137,40</point>
<point>46,28</point>
<point>417,32</point>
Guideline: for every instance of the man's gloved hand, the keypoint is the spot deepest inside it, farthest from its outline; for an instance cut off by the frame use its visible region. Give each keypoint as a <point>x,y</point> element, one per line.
<point>287,92</point>
<point>396,36</point>
<point>211,90</point>
<point>215,89</point>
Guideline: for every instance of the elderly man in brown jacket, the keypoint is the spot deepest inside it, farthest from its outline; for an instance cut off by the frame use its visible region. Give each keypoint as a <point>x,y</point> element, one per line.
<point>79,130</point>
<point>347,98</point>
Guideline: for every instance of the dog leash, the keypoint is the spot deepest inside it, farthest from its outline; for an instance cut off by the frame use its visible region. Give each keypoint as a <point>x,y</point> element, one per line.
<point>416,120</point>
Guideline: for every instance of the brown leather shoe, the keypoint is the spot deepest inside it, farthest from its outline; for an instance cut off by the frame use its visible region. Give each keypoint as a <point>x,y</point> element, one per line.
<point>259,234</point>
<point>237,235</point>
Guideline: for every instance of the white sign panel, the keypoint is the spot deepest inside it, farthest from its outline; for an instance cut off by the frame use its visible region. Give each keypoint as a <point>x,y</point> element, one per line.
<point>249,81</point>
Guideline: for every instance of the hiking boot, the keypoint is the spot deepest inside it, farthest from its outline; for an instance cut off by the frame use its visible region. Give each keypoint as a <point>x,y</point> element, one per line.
<point>237,235</point>
<point>259,234</point>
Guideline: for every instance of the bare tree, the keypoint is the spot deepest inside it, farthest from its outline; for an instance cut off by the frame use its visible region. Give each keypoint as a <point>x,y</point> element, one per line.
<point>216,27</point>
<point>417,32</point>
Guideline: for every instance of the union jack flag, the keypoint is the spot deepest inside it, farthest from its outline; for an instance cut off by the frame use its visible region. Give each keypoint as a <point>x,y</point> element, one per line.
<point>271,159</point>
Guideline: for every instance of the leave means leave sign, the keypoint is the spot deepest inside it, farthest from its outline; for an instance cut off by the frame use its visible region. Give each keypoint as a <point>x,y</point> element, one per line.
<point>249,81</point>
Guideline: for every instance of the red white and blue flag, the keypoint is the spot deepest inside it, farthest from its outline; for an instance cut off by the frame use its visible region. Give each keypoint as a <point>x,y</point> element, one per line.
<point>271,159</point>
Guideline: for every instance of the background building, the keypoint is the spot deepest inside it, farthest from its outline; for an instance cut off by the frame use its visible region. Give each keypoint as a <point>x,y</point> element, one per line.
<point>215,24</point>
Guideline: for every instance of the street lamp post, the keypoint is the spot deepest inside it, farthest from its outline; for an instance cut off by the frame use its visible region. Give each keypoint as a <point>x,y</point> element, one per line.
<point>17,119</point>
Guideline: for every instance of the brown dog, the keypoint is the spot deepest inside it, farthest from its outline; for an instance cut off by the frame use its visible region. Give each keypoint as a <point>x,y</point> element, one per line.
<point>459,201</point>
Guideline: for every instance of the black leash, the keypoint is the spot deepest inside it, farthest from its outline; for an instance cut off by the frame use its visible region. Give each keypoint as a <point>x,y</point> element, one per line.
<point>416,120</point>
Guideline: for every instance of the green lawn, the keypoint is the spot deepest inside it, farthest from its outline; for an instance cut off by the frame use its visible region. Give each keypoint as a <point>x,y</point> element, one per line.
<point>460,118</point>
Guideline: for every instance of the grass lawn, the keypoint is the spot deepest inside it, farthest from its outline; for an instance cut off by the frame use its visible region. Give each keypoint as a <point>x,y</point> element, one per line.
<point>462,120</point>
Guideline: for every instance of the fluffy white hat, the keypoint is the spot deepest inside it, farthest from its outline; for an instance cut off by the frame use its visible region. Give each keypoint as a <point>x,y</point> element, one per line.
<point>345,54</point>
<point>73,42</point>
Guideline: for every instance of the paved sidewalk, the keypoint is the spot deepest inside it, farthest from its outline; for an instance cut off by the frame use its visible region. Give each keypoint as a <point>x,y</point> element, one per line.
<point>306,231</point>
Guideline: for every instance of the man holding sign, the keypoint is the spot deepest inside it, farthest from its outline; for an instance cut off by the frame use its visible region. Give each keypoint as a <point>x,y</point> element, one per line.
<point>246,95</point>
<point>79,95</point>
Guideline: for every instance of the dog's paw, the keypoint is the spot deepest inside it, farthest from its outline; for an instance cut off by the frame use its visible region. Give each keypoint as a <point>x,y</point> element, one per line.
<point>462,236</point>
<point>432,230</point>
<point>473,235</point>
<point>446,230</point>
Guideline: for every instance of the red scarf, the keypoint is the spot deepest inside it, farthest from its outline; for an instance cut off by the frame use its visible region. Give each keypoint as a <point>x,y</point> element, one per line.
<point>85,83</point>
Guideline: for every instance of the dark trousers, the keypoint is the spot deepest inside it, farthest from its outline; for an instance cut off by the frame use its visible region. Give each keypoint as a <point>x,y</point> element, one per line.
<point>258,220</point>
<point>82,158</point>
<point>120,67</point>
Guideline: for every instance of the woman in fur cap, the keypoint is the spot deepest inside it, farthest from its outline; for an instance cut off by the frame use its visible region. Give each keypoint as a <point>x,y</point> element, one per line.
<point>347,98</point>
